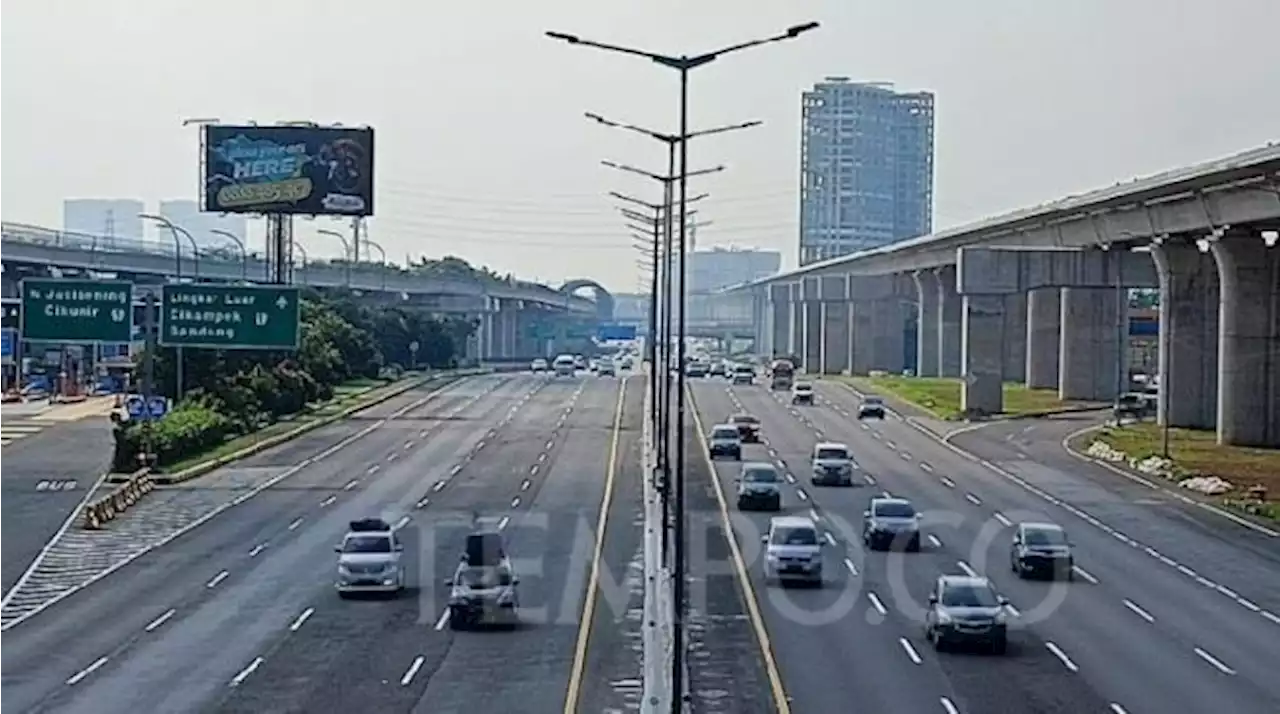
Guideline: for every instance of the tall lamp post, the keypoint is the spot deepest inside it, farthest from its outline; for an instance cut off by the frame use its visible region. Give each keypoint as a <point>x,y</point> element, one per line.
<point>175,229</point>
<point>383,254</point>
<point>298,247</point>
<point>346,251</point>
<point>244,254</point>
<point>682,64</point>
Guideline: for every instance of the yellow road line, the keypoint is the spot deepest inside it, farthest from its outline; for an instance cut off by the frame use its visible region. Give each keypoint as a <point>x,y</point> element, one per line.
<point>740,567</point>
<point>593,582</point>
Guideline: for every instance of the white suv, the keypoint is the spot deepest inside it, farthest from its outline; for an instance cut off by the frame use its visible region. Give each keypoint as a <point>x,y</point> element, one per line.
<point>793,551</point>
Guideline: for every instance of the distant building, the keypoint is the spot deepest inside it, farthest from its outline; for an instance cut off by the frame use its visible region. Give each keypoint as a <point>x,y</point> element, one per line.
<point>111,219</point>
<point>866,167</point>
<point>710,270</point>
<point>187,214</point>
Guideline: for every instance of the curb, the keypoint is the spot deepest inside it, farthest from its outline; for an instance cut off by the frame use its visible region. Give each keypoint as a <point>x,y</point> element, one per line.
<point>1192,500</point>
<point>207,466</point>
<point>992,419</point>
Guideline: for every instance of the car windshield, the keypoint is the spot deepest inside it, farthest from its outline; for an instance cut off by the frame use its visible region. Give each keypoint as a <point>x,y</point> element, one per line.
<point>483,577</point>
<point>760,476</point>
<point>745,419</point>
<point>483,550</point>
<point>724,432</point>
<point>1045,536</point>
<point>803,388</point>
<point>873,401</point>
<point>832,453</point>
<point>795,536</point>
<point>895,510</point>
<point>367,544</point>
<point>969,596</point>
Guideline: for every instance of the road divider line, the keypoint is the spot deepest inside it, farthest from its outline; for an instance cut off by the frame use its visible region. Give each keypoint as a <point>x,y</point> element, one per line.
<point>1217,663</point>
<point>524,485</point>
<point>244,673</point>
<point>1084,574</point>
<point>871,480</point>
<point>967,569</point>
<point>373,469</point>
<point>217,579</point>
<point>948,482</point>
<point>578,666</point>
<point>257,550</point>
<point>502,524</point>
<point>515,502</point>
<point>926,467</point>
<point>1117,709</point>
<point>1062,656</point>
<point>156,623</point>
<point>1133,607</point>
<point>875,602</point>
<point>328,501</point>
<point>948,706</point>
<point>412,671</point>
<point>973,499</point>
<point>853,569</point>
<point>1004,520</point>
<point>351,484</point>
<point>79,676</point>
<point>296,522</point>
<point>934,541</point>
<point>444,620</point>
<point>911,651</point>
<point>301,619</point>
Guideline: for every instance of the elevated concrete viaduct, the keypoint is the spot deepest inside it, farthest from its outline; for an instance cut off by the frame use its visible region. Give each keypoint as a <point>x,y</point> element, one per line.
<point>1040,296</point>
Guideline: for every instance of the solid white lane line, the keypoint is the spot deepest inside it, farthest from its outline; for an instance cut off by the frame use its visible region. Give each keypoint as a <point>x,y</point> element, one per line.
<point>1270,616</point>
<point>967,570</point>
<point>1062,656</point>
<point>257,549</point>
<point>875,602</point>
<point>413,670</point>
<point>159,621</point>
<point>1217,663</point>
<point>244,673</point>
<point>78,676</point>
<point>297,623</point>
<point>217,579</point>
<point>1138,611</point>
<point>948,482</point>
<point>934,541</point>
<point>296,522</point>
<point>1004,521</point>
<point>444,620</point>
<point>973,499</point>
<point>911,651</point>
<point>948,707</point>
<point>328,501</point>
<point>1082,573</point>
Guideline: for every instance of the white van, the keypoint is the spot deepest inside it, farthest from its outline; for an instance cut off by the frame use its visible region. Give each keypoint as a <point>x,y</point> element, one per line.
<point>565,366</point>
<point>793,551</point>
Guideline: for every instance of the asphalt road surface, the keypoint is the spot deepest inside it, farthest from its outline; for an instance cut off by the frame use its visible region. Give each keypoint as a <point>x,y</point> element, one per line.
<point>239,614</point>
<point>46,474</point>
<point>1130,633</point>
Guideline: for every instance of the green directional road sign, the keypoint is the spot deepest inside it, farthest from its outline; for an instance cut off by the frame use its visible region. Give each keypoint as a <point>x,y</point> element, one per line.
<point>229,317</point>
<point>56,310</point>
<point>540,331</point>
<point>581,332</point>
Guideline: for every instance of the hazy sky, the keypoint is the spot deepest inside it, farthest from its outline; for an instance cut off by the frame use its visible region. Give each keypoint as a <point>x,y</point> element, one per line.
<point>483,151</point>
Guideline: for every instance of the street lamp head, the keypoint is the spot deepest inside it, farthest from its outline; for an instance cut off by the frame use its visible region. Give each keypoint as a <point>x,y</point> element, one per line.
<point>600,120</point>
<point>571,39</point>
<point>749,124</point>
<point>796,30</point>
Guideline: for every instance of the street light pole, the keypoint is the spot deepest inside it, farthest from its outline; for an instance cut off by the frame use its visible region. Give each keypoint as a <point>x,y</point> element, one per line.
<point>346,251</point>
<point>383,254</point>
<point>244,255</point>
<point>683,64</point>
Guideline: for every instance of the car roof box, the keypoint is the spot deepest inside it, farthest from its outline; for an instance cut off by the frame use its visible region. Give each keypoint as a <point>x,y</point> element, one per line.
<point>369,525</point>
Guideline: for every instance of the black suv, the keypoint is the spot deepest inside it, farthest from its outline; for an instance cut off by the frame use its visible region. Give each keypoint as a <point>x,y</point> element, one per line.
<point>1041,549</point>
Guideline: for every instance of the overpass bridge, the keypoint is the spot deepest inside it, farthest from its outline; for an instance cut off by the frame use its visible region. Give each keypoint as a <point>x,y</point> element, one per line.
<point>1039,296</point>
<point>507,309</point>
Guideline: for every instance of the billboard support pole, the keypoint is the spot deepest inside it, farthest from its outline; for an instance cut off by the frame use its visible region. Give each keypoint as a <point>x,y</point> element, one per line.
<point>278,244</point>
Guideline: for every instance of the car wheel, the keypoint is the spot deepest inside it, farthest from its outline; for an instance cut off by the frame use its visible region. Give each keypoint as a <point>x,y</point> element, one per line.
<point>938,644</point>
<point>914,545</point>
<point>1000,646</point>
<point>455,622</point>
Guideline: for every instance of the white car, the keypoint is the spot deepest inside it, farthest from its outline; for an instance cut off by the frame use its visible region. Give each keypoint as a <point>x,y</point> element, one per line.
<point>539,365</point>
<point>369,559</point>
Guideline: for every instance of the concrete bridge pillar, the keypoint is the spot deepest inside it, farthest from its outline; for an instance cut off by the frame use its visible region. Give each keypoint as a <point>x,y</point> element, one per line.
<point>795,344</point>
<point>889,323</point>
<point>835,325</point>
<point>780,321</point>
<point>927,322</point>
<point>1015,335</point>
<point>811,353</point>
<point>1248,341</point>
<point>1090,352</point>
<point>1188,357</point>
<point>1044,319</point>
<point>861,331</point>
<point>950,312</point>
<point>984,335</point>
<point>487,335</point>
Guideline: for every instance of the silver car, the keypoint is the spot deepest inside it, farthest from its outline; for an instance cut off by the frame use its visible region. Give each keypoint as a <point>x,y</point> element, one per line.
<point>369,559</point>
<point>832,465</point>
<point>483,589</point>
<point>890,521</point>
<point>793,551</point>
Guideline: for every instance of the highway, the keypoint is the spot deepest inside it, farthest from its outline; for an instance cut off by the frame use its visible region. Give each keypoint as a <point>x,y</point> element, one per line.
<point>53,457</point>
<point>1131,633</point>
<point>239,614</point>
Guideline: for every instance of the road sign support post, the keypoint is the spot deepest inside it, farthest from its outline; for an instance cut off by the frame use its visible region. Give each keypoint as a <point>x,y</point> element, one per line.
<point>149,374</point>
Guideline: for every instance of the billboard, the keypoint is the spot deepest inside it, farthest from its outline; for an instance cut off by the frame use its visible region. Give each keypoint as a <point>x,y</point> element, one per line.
<point>303,170</point>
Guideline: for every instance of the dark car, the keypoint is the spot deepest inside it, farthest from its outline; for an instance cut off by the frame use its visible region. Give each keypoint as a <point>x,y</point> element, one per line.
<point>1041,549</point>
<point>748,427</point>
<point>724,440</point>
<point>871,408</point>
<point>966,610</point>
<point>759,488</point>
<point>483,588</point>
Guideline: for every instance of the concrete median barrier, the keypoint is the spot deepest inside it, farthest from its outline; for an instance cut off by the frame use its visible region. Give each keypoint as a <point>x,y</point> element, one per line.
<point>99,512</point>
